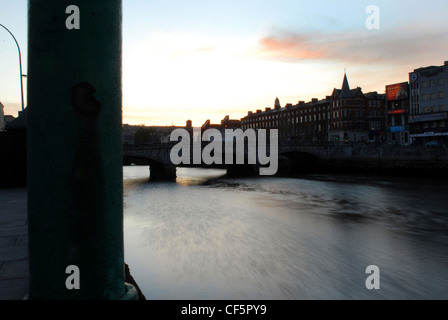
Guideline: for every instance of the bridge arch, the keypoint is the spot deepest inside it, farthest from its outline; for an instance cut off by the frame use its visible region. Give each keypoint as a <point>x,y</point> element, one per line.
<point>297,162</point>
<point>157,169</point>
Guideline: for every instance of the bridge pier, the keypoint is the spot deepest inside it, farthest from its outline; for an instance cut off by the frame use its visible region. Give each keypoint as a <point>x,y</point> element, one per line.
<point>242,170</point>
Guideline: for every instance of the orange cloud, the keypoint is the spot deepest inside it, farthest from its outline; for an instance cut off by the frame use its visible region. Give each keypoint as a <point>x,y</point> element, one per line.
<point>290,47</point>
<point>404,46</point>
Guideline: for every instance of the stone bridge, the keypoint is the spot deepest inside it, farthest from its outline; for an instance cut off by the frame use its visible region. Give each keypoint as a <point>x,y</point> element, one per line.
<point>303,158</point>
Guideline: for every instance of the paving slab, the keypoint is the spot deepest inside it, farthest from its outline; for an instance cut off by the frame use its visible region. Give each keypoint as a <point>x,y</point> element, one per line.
<point>7,241</point>
<point>14,289</point>
<point>14,273</point>
<point>16,269</point>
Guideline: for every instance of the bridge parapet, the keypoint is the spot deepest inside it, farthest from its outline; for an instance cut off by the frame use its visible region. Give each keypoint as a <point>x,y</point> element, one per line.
<point>158,155</point>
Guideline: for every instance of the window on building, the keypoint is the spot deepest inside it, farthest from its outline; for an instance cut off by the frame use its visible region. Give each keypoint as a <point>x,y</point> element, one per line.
<point>432,96</point>
<point>425,97</point>
<point>440,81</point>
<point>434,124</point>
<point>425,109</point>
<point>441,94</point>
<point>432,82</point>
<point>424,84</point>
<point>442,124</point>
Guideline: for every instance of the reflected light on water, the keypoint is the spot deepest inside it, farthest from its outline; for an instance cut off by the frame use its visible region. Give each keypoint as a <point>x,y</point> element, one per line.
<point>208,237</point>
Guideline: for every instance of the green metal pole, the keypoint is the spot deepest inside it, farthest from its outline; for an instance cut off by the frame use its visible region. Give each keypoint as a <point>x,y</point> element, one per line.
<point>75,179</point>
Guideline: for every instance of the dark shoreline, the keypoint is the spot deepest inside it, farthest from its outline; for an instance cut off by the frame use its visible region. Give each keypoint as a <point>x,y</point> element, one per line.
<point>13,161</point>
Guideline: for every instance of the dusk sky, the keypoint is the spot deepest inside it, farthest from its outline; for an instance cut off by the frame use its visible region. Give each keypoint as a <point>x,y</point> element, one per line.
<point>205,59</point>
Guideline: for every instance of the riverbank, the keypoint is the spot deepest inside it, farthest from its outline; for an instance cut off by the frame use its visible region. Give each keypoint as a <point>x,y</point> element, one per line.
<point>14,262</point>
<point>413,168</point>
<point>13,159</point>
<point>14,274</point>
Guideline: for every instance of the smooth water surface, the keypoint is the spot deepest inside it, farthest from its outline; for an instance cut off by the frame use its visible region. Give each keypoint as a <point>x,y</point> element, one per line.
<point>209,237</point>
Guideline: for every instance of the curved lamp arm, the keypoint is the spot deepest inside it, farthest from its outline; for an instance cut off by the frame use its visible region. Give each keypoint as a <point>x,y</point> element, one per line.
<point>20,62</point>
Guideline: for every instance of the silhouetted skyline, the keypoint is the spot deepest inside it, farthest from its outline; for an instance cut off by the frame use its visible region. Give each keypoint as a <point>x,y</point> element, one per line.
<point>202,59</point>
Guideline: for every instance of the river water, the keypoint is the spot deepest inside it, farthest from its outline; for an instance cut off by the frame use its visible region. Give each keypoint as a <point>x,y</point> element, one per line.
<point>210,237</point>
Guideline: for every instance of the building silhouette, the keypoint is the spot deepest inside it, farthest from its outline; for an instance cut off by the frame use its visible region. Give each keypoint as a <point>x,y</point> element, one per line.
<point>355,116</point>
<point>346,115</point>
<point>429,104</point>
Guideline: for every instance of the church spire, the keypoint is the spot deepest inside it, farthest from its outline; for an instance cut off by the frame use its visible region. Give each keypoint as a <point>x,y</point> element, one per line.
<point>277,103</point>
<point>345,91</point>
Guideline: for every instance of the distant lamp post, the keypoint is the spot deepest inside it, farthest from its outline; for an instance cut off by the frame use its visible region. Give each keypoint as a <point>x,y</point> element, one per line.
<point>20,63</point>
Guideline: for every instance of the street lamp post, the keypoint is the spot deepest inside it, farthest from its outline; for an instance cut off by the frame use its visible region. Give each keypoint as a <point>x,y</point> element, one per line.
<point>20,63</point>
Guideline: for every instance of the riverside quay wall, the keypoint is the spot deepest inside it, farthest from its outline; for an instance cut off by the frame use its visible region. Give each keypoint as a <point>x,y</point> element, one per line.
<point>377,159</point>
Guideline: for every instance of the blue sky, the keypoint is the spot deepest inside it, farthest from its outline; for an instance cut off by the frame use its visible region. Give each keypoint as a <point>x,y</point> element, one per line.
<point>205,59</point>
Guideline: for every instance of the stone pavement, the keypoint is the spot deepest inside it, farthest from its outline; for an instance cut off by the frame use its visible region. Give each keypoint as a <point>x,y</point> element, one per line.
<point>14,274</point>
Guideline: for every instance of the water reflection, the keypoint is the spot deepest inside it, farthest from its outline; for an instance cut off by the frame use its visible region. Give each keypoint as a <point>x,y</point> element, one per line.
<point>207,237</point>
